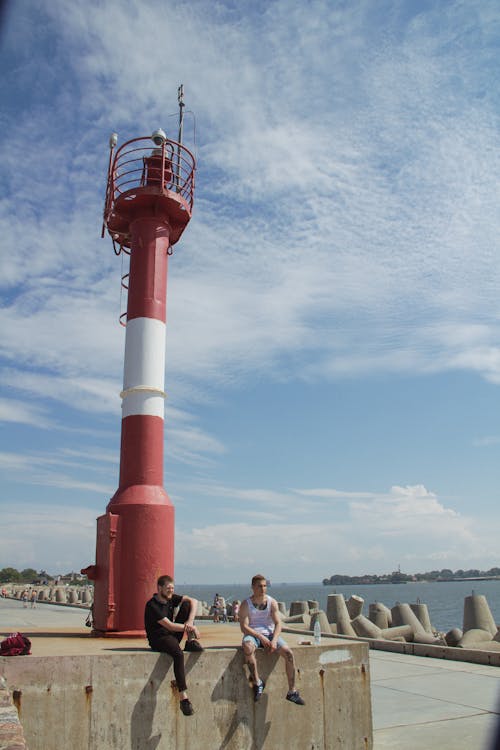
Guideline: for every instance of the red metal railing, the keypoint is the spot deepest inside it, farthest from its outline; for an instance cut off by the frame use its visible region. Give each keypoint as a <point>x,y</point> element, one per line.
<point>166,170</point>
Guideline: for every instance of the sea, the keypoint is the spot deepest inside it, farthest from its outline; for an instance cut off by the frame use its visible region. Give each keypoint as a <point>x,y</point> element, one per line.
<point>444,600</point>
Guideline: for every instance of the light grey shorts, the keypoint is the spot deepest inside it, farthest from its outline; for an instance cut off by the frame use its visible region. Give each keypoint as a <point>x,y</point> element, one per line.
<point>257,643</point>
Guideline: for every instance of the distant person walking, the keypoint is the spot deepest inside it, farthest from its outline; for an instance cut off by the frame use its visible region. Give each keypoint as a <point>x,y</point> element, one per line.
<point>33,599</point>
<point>165,631</point>
<point>219,609</point>
<point>222,609</point>
<point>260,624</point>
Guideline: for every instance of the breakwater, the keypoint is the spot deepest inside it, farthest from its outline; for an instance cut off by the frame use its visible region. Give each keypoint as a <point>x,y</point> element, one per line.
<point>445,601</point>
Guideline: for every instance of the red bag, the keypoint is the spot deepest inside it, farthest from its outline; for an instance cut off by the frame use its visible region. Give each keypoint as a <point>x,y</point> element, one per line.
<point>16,644</point>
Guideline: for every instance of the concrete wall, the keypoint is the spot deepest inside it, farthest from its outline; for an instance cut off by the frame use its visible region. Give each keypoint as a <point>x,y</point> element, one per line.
<point>11,731</point>
<point>125,700</point>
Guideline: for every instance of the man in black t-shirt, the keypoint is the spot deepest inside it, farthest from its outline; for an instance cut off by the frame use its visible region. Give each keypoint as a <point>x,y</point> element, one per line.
<point>165,631</point>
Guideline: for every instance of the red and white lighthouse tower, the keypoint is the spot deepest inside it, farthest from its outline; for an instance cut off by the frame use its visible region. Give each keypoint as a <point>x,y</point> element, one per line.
<point>149,200</point>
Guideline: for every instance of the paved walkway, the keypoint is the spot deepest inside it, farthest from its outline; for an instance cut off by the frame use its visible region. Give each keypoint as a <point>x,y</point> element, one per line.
<point>418,703</point>
<point>427,704</point>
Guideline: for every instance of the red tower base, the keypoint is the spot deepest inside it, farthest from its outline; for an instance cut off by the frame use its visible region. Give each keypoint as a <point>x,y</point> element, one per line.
<point>135,545</point>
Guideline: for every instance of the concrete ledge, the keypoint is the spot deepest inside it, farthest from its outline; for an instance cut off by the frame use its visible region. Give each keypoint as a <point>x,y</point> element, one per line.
<point>126,700</point>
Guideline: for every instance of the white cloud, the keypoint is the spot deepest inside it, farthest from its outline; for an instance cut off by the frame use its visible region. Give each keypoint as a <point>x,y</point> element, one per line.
<point>42,470</point>
<point>376,531</point>
<point>56,538</point>
<point>313,230</point>
<point>20,412</point>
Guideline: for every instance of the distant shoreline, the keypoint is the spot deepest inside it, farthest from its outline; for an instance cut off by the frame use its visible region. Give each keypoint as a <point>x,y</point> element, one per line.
<point>364,582</point>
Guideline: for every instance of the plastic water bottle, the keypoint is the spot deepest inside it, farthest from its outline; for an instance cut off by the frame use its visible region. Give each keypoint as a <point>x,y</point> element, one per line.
<point>317,633</point>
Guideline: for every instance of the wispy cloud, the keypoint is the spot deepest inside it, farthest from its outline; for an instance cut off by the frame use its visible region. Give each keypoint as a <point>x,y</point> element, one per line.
<point>12,410</point>
<point>333,225</point>
<point>406,525</point>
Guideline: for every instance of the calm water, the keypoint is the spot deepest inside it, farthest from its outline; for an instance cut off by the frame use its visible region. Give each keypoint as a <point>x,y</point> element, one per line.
<point>445,601</point>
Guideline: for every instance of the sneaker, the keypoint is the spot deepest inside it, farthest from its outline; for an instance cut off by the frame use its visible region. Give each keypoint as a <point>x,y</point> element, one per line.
<point>258,690</point>
<point>193,645</point>
<point>294,697</point>
<point>186,707</point>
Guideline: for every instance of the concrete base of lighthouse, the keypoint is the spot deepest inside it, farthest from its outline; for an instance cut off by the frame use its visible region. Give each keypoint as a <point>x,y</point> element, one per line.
<point>135,545</point>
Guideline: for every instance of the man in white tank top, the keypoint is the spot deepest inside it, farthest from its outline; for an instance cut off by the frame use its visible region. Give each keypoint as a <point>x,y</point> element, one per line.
<point>260,624</point>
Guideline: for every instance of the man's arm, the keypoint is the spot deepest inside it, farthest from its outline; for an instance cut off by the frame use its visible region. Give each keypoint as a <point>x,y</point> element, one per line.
<point>172,627</point>
<point>154,613</point>
<point>275,615</point>
<point>193,606</point>
<point>244,619</point>
<point>179,627</point>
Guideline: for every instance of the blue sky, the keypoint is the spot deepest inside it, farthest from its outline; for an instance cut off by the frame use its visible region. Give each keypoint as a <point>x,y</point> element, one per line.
<point>333,311</point>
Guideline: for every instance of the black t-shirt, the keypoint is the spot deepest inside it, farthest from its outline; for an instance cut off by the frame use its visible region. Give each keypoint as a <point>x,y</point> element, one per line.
<point>157,610</point>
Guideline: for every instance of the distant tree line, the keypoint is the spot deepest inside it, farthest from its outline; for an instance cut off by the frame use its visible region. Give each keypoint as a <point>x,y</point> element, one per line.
<point>29,575</point>
<point>397,577</point>
<point>11,575</point>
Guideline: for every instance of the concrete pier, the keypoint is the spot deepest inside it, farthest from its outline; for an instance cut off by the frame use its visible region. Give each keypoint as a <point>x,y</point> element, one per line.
<point>418,702</point>
<point>80,692</point>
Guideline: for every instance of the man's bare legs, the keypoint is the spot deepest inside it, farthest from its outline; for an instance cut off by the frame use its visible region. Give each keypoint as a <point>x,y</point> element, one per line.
<point>287,654</point>
<point>249,653</point>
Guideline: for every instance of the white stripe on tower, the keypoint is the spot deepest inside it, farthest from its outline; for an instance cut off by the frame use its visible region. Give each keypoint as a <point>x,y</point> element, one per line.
<point>144,369</point>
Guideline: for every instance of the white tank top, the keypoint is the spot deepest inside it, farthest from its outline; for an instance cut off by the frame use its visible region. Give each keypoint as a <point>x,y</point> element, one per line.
<point>260,619</point>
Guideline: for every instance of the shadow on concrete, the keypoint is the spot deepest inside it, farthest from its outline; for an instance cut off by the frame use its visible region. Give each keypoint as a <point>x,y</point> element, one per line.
<point>252,723</point>
<point>141,722</point>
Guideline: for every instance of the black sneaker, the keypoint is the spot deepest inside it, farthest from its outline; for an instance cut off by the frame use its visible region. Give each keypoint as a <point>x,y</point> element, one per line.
<point>186,707</point>
<point>193,645</point>
<point>258,690</point>
<point>294,697</point>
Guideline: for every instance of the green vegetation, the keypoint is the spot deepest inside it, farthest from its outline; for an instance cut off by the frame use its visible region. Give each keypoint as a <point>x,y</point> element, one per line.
<point>11,575</point>
<point>397,577</point>
<point>29,575</point>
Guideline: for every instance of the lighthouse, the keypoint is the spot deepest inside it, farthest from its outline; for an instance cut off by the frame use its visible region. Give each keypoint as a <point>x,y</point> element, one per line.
<point>148,204</point>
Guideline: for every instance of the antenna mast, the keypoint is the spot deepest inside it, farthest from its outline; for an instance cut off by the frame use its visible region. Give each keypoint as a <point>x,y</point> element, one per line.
<point>180,99</point>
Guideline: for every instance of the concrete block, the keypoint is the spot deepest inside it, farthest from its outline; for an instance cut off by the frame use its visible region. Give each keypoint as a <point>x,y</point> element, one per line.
<point>301,622</point>
<point>397,632</point>
<point>453,637</point>
<point>421,611</point>
<point>428,638</point>
<point>365,627</point>
<point>474,636</point>
<point>337,612</point>
<point>126,700</point>
<point>380,615</point>
<point>355,605</point>
<point>477,614</point>
<point>402,614</point>
<point>298,608</point>
<point>323,621</point>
